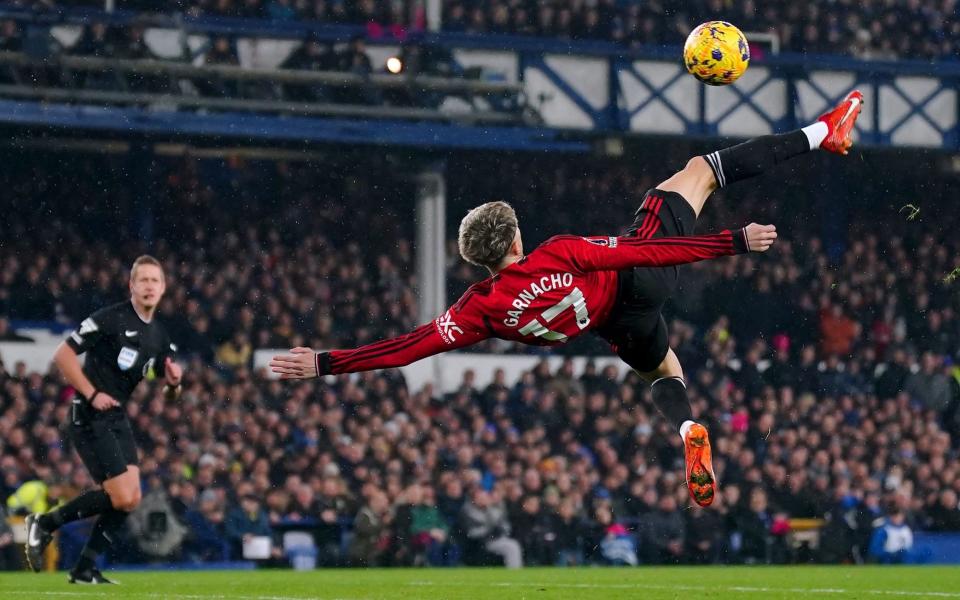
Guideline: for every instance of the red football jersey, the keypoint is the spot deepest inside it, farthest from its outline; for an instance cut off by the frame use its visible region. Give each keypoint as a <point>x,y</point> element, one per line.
<point>560,290</point>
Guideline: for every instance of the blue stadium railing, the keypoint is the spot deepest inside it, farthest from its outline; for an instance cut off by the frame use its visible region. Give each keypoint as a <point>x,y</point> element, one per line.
<point>608,91</point>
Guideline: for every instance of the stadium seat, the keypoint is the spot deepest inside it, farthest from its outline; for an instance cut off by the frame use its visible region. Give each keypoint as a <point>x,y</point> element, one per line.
<point>300,549</point>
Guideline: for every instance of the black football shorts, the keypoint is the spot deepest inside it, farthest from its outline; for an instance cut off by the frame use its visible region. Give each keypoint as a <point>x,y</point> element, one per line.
<point>104,441</point>
<point>636,329</point>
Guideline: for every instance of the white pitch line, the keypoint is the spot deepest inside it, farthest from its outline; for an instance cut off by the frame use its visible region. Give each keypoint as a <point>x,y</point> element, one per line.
<point>698,588</point>
<point>506,584</point>
<point>169,595</point>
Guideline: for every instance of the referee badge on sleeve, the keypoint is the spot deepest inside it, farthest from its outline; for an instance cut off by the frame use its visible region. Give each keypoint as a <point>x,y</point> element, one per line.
<point>127,358</point>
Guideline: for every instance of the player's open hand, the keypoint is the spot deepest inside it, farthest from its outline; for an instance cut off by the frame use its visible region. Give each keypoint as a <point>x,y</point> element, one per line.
<point>760,237</point>
<point>301,363</point>
<point>173,372</point>
<point>104,401</point>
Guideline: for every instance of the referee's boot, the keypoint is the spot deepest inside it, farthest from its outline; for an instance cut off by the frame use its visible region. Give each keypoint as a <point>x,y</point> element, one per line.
<point>91,575</point>
<point>38,538</point>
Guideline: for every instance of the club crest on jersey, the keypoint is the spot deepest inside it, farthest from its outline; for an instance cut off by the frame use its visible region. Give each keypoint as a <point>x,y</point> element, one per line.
<point>446,327</point>
<point>609,242</point>
<point>127,358</point>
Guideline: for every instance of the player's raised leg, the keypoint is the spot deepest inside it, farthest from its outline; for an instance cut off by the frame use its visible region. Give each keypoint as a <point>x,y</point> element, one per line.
<point>669,392</point>
<point>703,174</point>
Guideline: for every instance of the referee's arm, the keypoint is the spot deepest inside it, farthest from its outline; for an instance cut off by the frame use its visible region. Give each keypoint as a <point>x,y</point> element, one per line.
<point>66,360</point>
<point>173,374</point>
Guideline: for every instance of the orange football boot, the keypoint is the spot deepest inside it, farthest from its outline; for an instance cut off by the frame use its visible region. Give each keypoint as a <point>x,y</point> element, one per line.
<point>701,481</point>
<point>840,122</point>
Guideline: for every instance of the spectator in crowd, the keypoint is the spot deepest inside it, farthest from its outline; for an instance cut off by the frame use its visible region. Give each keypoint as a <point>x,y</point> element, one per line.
<point>221,52</point>
<point>451,500</point>
<point>929,386</point>
<point>838,331</point>
<point>945,514</point>
<point>487,529</point>
<point>703,547</point>
<point>354,59</point>
<point>664,533</point>
<point>235,353</point>
<point>313,55</point>
<point>11,36</point>
<point>570,535</point>
<point>9,557</point>
<point>97,40</point>
<point>133,45</point>
<point>892,540</point>
<point>206,530</point>
<point>429,532</point>
<point>370,532</point>
<point>332,508</point>
<point>245,522</point>
<point>536,532</point>
<point>752,540</point>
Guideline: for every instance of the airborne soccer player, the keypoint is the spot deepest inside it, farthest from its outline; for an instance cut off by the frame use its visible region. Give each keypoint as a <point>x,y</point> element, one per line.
<point>616,286</point>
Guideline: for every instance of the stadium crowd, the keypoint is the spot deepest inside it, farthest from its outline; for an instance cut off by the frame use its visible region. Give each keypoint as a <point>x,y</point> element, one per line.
<point>826,372</point>
<point>869,29</point>
<point>260,287</point>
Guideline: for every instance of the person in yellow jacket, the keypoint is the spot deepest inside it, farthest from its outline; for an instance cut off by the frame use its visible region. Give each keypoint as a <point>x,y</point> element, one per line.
<point>31,497</point>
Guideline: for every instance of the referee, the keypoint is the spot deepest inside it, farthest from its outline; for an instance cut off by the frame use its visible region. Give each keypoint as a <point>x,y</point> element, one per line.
<point>124,344</point>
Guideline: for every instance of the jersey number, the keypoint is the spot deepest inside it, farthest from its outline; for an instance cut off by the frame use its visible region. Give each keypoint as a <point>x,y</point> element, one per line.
<point>574,299</point>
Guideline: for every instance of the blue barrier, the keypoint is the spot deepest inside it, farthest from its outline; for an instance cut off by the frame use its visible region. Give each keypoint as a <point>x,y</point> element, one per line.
<point>229,565</point>
<point>244,127</point>
<point>942,548</point>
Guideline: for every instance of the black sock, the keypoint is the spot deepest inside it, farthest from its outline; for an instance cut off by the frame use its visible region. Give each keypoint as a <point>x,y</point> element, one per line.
<point>101,537</point>
<point>755,156</point>
<point>670,398</point>
<point>87,504</point>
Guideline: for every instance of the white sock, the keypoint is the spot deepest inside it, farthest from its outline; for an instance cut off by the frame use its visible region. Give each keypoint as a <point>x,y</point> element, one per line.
<point>816,133</point>
<point>685,427</point>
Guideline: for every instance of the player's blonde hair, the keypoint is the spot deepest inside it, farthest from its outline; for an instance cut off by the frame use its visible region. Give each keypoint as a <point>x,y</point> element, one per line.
<point>144,259</point>
<point>486,233</point>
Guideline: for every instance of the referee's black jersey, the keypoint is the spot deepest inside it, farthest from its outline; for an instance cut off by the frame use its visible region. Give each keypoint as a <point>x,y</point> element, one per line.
<point>121,349</point>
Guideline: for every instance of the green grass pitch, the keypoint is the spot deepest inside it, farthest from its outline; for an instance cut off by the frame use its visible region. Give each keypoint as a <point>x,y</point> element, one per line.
<point>479,584</point>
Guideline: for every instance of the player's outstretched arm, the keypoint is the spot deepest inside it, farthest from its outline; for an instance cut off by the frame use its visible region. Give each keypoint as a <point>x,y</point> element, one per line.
<point>614,254</point>
<point>760,237</point>
<point>440,335</point>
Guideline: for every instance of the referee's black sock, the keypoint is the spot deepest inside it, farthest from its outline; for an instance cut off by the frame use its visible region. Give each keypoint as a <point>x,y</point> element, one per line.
<point>670,398</point>
<point>103,534</point>
<point>753,157</point>
<point>87,504</point>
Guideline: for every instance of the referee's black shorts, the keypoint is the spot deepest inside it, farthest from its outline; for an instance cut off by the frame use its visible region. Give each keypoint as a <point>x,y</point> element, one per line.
<point>104,441</point>
<point>637,330</point>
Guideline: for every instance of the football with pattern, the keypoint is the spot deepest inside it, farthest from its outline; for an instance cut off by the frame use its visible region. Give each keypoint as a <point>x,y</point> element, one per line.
<point>716,53</point>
